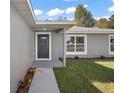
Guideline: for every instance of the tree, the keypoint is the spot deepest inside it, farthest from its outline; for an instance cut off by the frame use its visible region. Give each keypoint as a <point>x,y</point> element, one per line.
<point>112,20</point>
<point>104,23</point>
<point>83,17</point>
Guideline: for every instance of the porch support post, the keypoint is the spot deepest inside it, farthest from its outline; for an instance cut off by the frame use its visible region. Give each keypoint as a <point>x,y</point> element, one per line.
<point>64,43</point>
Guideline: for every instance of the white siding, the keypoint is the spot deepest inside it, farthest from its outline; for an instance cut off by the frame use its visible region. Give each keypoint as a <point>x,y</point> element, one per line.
<point>97,45</point>
<point>21,48</point>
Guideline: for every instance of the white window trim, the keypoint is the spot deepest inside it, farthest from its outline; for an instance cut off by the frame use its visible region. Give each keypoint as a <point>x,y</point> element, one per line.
<point>85,45</point>
<point>110,52</point>
<point>36,50</point>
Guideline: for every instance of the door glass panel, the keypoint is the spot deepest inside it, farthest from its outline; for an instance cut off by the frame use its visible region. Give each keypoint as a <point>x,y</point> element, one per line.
<point>43,46</point>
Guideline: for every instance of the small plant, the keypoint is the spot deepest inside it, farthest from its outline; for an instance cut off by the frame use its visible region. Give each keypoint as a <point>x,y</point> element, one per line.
<point>102,57</point>
<point>76,57</point>
<point>24,85</point>
<point>61,59</point>
<point>26,82</point>
<point>31,70</point>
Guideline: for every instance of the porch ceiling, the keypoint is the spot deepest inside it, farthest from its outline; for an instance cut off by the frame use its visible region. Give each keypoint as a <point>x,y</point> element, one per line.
<point>51,25</point>
<point>25,10</point>
<point>57,30</point>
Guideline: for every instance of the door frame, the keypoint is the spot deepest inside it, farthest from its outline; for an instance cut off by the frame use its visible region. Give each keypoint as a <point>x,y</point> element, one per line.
<point>36,42</point>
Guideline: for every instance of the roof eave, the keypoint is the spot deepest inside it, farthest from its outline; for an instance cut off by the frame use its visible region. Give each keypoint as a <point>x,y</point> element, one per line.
<point>90,32</point>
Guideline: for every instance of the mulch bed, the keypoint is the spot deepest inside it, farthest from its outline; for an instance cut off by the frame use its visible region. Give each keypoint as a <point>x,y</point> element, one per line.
<point>26,83</point>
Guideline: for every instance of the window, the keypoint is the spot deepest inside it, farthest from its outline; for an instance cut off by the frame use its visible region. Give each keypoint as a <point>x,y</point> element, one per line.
<point>111,44</point>
<point>76,44</point>
<point>70,43</point>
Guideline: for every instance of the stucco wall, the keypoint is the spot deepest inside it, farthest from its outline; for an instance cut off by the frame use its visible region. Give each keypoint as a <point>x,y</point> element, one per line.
<point>21,48</point>
<point>57,45</point>
<point>97,45</point>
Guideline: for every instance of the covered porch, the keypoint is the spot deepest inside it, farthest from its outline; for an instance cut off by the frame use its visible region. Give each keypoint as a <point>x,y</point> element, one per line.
<point>49,48</point>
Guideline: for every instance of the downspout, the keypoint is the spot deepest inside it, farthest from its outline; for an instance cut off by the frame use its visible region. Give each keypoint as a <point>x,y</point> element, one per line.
<point>64,43</point>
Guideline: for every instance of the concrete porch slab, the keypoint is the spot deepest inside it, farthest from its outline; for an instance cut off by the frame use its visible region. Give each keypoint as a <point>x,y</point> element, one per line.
<point>47,63</point>
<point>44,81</point>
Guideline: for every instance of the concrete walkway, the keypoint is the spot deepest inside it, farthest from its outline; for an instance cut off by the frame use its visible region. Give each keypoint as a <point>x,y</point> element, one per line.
<point>44,81</point>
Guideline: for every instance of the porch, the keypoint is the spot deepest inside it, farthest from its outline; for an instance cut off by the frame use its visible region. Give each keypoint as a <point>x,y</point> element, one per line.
<point>47,63</point>
<point>49,48</point>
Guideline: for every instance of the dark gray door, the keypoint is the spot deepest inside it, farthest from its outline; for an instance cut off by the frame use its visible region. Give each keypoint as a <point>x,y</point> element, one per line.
<point>43,46</point>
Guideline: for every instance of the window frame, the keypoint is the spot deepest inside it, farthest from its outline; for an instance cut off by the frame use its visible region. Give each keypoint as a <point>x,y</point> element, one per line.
<point>110,52</point>
<point>75,44</point>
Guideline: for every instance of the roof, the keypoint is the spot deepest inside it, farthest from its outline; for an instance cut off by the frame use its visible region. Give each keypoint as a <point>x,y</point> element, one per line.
<point>77,29</point>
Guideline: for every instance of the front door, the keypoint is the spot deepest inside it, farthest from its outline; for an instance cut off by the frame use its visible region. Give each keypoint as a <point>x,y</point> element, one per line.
<point>43,46</point>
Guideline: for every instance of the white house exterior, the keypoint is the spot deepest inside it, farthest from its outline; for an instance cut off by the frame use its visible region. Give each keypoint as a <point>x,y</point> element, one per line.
<point>97,42</point>
<point>39,42</point>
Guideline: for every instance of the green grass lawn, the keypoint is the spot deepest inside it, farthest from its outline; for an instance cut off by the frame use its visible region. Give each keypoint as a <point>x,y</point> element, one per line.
<point>86,76</point>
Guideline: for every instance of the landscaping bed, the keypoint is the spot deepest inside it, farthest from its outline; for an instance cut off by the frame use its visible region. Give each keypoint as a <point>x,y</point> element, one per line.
<point>25,84</point>
<point>86,76</point>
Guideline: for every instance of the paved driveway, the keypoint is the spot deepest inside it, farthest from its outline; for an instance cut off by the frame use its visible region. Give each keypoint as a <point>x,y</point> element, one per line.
<point>44,81</point>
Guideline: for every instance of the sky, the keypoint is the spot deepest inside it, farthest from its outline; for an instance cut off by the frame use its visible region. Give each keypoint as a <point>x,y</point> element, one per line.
<point>56,9</point>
